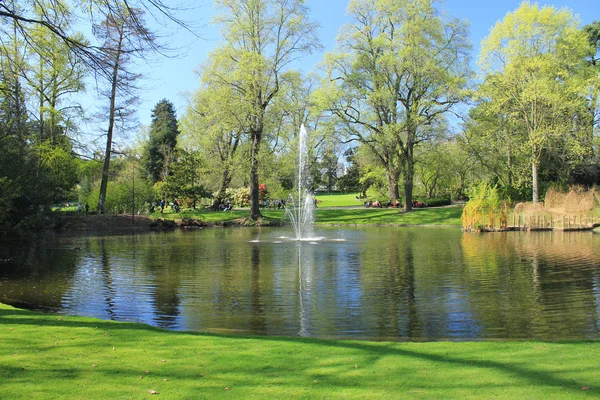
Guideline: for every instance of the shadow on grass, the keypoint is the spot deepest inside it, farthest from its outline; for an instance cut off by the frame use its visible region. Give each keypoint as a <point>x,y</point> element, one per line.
<point>230,349</point>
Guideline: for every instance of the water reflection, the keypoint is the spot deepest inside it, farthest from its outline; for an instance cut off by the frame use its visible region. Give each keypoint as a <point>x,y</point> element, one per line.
<point>377,283</point>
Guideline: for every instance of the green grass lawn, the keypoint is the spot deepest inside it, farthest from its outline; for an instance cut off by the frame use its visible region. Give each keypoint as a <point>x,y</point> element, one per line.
<point>45,356</point>
<point>391,216</point>
<point>342,216</point>
<point>338,200</point>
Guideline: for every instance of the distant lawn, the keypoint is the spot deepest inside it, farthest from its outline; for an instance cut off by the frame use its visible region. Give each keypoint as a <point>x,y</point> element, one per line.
<point>45,356</point>
<point>360,216</point>
<point>338,200</point>
<point>384,216</point>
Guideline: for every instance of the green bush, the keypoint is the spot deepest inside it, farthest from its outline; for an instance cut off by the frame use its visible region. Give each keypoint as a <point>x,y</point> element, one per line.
<point>120,195</point>
<point>437,202</point>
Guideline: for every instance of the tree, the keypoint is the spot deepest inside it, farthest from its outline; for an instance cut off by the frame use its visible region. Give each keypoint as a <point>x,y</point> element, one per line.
<point>401,65</point>
<point>23,16</point>
<point>350,181</point>
<point>262,37</point>
<point>159,151</point>
<point>492,136</point>
<point>215,127</point>
<point>535,64</point>
<point>54,73</point>
<point>183,181</point>
<point>329,167</point>
<point>124,37</point>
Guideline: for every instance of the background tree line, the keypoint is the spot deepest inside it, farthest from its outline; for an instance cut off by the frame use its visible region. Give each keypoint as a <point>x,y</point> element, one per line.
<point>396,111</point>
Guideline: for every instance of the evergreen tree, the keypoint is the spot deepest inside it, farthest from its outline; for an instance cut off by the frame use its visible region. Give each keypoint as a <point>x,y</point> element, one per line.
<point>159,152</point>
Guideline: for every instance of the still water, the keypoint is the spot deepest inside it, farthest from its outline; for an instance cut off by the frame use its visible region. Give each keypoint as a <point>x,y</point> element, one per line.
<point>363,283</point>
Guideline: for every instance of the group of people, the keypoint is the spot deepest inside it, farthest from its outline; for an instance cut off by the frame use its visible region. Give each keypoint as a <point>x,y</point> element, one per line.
<point>396,203</point>
<point>80,208</point>
<point>378,204</point>
<point>277,203</point>
<point>226,205</point>
<point>175,205</point>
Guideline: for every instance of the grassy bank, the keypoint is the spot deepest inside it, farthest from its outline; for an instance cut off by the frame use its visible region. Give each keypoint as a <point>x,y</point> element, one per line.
<point>337,216</point>
<point>52,357</point>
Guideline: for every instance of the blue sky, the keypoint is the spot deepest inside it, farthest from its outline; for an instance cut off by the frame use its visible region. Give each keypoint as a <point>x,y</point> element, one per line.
<point>172,78</point>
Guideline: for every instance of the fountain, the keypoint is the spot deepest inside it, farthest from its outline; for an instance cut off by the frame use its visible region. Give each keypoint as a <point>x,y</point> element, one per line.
<point>301,212</point>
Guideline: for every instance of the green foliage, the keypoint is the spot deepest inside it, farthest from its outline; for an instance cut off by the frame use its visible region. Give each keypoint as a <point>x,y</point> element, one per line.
<point>88,171</point>
<point>374,85</point>
<point>183,182</point>
<point>58,170</point>
<point>484,209</point>
<point>160,190</point>
<point>437,202</point>
<point>373,183</point>
<point>9,193</point>
<point>127,186</point>
<point>120,197</point>
<point>535,60</point>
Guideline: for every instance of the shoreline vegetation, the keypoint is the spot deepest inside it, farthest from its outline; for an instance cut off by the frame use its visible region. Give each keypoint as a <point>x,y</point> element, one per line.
<point>344,209</point>
<point>575,210</point>
<point>69,357</point>
<point>330,216</point>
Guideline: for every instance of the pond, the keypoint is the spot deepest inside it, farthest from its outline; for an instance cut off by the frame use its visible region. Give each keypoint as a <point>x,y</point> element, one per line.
<point>380,283</point>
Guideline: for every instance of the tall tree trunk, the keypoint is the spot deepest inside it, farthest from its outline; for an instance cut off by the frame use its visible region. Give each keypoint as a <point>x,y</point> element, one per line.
<point>509,161</point>
<point>408,193</point>
<point>393,175</point>
<point>255,137</point>
<point>592,111</point>
<point>534,179</point>
<point>111,125</point>
<point>225,181</point>
<point>408,174</point>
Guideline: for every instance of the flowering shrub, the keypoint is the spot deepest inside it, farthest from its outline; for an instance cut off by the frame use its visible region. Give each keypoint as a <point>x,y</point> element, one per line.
<point>263,192</point>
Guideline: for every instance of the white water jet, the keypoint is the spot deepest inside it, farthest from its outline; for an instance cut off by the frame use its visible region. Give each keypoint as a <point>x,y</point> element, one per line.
<point>301,212</point>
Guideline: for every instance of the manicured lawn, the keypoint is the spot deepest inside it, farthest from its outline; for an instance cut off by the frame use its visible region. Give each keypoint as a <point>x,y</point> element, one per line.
<point>338,200</point>
<point>341,216</point>
<point>392,216</point>
<point>52,357</point>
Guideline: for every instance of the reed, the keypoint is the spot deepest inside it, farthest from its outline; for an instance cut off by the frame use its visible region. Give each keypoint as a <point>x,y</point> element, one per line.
<point>485,210</point>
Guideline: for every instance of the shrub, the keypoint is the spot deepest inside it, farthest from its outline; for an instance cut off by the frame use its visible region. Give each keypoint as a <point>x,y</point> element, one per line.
<point>119,197</point>
<point>241,197</point>
<point>437,202</point>
<point>263,192</point>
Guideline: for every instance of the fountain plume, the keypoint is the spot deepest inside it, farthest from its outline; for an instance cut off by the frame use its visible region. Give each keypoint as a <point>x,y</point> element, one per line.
<point>301,212</point>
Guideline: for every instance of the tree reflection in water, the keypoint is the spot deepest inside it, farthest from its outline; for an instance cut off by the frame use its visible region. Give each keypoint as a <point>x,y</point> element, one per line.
<point>380,283</point>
